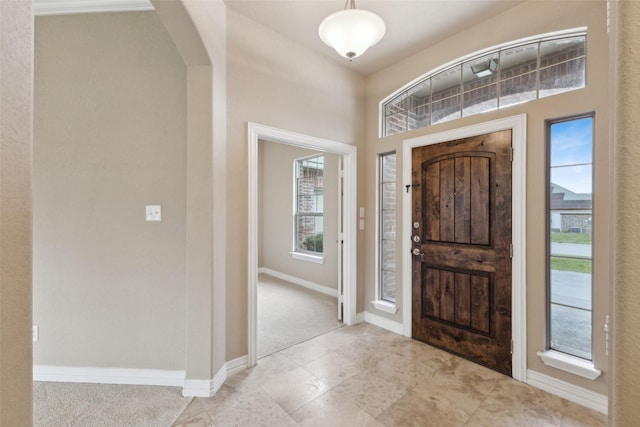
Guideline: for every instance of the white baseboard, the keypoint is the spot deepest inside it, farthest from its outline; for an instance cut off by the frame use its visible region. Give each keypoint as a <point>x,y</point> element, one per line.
<point>72,374</point>
<point>196,388</point>
<point>208,388</point>
<point>237,365</point>
<point>579,395</point>
<point>300,282</point>
<point>360,317</point>
<point>382,322</point>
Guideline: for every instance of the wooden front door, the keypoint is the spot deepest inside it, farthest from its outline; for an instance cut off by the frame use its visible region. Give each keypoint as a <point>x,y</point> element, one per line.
<point>461,237</point>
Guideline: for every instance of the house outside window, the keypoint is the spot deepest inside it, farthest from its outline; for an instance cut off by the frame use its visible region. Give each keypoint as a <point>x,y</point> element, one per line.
<point>493,79</point>
<point>387,227</point>
<point>309,205</point>
<point>570,236</point>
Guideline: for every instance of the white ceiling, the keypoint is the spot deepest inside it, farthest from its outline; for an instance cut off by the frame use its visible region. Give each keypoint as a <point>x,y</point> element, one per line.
<point>412,25</point>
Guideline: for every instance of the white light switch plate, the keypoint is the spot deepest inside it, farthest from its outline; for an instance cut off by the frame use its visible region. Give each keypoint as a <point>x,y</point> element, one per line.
<point>154,213</point>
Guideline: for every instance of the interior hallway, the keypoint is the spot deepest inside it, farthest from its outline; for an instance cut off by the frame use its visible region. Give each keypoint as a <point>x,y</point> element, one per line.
<point>289,314</point>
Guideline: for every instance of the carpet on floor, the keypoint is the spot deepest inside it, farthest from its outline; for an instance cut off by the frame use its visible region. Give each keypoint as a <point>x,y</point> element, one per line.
<point>79,404</point>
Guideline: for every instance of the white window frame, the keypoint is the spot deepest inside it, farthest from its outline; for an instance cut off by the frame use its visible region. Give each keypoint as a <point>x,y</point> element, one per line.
<point>557,359</point>
<point>578,31</point>
<point>298,253</point>
<point>379,303</point>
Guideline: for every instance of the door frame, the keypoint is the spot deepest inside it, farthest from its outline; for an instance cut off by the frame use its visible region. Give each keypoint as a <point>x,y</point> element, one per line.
<point>257,132</point>
<point>518,125</point>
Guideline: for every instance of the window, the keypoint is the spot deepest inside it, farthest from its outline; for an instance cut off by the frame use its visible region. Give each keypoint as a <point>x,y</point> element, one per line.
<point>497,78</point>
<point>387,230</point>
<point>309,205</point>
<point>570,235</point>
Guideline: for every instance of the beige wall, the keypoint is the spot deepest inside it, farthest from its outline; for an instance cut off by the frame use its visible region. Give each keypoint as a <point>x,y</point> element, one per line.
<point>625,396</point>
<point>276,82</point>
<point>16,109</point>
<point>276,181</point>
<point>110,138</point>
<point>528,19</point>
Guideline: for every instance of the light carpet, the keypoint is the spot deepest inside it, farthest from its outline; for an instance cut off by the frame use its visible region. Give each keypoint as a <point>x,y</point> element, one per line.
<point>289,314</point>
<point>75,404</point>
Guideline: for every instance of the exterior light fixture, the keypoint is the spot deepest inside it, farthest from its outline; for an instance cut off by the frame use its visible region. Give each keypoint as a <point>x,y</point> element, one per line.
<point>485,69</point>
<point>351,31</point>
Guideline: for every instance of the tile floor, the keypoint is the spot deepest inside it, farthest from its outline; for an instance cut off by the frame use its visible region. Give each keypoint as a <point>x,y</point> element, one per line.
<point>366,376</point>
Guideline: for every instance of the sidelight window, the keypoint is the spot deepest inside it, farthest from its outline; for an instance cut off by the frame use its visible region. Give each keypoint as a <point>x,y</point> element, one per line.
<point>387,227</point>
<point>309,205</point>
<point>570,235</point>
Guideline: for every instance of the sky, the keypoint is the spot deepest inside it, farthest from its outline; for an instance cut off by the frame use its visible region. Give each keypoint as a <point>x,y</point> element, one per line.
<point>572,144</point>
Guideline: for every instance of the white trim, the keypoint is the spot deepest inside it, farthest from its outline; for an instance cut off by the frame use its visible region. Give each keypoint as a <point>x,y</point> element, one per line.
<point>383,323</point>
<point>307,257</point>
<point>257,132</point>
<point>208,388</point>
<point>44,8</point>
<point>360,317</point>
<point>571,364</point>
<point>198,388</point>
<point>386,306</point>
<point>579,395</point>
<point>300,282</point>
<point>237,365</point>
<point>128,376</point>
<point>537,38</point>
<point>518,125</point>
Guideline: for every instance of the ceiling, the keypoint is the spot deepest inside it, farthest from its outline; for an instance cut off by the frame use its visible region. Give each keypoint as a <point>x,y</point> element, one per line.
<point>412,25</point>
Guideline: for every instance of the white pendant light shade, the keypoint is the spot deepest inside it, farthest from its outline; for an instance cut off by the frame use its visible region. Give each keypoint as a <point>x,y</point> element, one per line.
<point>352,31</point>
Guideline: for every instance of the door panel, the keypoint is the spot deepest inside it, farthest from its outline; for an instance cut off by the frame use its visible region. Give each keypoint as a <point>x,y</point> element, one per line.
<point>462,273</point>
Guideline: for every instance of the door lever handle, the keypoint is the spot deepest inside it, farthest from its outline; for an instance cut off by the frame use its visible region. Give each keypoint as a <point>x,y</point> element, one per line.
<point>416,252</point>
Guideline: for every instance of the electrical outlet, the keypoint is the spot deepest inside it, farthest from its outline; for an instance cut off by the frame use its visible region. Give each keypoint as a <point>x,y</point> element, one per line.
<point>154,213</point>
<point>35,333</point>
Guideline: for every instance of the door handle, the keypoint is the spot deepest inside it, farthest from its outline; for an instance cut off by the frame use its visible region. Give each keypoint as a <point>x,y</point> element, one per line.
<point>416,252</point>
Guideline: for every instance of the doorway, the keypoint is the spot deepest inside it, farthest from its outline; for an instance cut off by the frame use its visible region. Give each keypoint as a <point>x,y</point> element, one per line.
<point>517,126</point>
<point>348,257</point>
<point>461,197</point>
<point>298,250</point>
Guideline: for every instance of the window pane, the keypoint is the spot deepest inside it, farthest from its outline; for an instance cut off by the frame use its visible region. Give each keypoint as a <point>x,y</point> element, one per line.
<point>571,186</point>
<point>388,279</point>
<point>309,234</point>
<point>518,89</point>
<point>480,100</point>
<point>387,230</point>
<point>480,72</point>
<point>396,105</point>
<point>445,110</point>
<point>419,94</point>
<point>562,65</point>
<point>562,77</point>
<point>571,282</point>
<point>571,236</point>
<point>571,331</point>
<point>518,61</point>
<point>388,168</point>
<point>395,124</point>
<point>572,142</point>
<point>419,117</point>
<point>309,204</point>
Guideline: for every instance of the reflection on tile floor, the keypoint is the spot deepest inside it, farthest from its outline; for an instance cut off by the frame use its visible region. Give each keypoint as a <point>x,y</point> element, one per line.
<point>366,376</point>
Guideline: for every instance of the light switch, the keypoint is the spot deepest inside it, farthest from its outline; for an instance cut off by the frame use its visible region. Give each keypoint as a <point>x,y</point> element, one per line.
<point>362,224</point>
<point>361,212</point>
<point>154,213</point>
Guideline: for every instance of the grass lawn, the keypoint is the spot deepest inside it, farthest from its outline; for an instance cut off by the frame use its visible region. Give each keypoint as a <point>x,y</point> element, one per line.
<point>560,237</point>
<point>569,264</point>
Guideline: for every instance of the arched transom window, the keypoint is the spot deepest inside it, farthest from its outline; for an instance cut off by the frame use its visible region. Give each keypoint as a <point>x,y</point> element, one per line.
<point>495,78</point>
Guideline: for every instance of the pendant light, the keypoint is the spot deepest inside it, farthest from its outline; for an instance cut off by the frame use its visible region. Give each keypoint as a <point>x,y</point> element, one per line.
<point>351,31</point>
